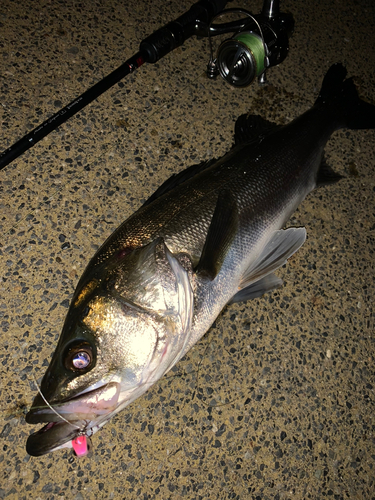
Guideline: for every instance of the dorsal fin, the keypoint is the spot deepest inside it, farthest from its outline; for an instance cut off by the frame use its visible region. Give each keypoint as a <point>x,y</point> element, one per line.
<point>252,128</point>
<point>326,175</point>
<point>177,179</point>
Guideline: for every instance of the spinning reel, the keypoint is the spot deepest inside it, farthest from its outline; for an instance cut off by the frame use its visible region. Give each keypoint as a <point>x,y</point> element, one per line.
<point>259,42</point>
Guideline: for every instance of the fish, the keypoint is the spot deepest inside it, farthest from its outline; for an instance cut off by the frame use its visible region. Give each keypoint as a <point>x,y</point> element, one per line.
<point>209,236</point>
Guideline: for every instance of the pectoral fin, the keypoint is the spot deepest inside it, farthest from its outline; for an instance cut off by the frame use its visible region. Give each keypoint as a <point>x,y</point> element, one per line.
<point>259,278</point>
<point>222,230</point>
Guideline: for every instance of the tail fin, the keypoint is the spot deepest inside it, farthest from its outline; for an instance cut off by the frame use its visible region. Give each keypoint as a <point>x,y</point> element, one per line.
<point>341,96</point>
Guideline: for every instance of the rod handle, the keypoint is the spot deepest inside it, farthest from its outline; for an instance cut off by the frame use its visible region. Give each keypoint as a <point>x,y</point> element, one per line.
<point>174,34</point>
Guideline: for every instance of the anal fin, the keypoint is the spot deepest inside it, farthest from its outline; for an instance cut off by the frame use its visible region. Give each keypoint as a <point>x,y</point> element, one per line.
<point>259,278</point>
<point>257,289</point>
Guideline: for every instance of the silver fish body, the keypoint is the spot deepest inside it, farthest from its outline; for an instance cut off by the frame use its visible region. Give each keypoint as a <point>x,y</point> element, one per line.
<point>210,235</point>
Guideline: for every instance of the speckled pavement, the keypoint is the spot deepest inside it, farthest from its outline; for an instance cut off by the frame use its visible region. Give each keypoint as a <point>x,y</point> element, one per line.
<point>277,400</point>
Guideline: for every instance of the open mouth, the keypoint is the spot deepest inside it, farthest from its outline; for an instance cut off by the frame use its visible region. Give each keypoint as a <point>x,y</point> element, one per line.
<point>52,436</point>
<point>67,420</point>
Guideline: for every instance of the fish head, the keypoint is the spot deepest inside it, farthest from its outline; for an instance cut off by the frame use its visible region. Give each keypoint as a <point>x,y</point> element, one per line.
<point>123,331</point>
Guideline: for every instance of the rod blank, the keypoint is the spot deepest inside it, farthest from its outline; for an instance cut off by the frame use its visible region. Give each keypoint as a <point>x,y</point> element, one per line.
<point>155,46</point>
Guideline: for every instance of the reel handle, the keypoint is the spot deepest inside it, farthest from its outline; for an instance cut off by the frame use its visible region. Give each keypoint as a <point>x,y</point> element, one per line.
<point>271,9</point>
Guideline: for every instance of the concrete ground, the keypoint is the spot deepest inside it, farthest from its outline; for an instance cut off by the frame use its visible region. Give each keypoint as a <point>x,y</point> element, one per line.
<point>277,400</point>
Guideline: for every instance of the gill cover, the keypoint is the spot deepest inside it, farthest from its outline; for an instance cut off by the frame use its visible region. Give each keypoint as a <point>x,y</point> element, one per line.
<point>157,285</point>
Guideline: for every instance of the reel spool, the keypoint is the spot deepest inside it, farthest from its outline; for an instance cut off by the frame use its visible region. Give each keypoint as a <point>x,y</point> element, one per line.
<point>242,58</point>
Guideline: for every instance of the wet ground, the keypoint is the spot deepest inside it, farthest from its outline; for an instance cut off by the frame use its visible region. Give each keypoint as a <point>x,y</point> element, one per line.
<point>277,400</point>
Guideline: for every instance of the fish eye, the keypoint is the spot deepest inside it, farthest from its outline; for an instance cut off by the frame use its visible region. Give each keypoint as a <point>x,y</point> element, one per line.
<point>79,358</point>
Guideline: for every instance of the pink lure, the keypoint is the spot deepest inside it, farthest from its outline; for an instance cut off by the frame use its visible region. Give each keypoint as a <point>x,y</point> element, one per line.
<point>80,446</point>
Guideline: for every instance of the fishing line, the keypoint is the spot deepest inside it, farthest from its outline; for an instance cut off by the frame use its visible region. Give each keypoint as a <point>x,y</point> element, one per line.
<point>51,408</point>
<point>256,46</point>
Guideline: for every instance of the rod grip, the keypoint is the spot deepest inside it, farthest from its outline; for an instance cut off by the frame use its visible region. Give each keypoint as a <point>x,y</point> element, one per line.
<point>174,34</point>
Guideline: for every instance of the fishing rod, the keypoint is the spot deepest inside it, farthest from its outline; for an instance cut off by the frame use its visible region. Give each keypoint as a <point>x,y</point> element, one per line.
<point>259,42</point>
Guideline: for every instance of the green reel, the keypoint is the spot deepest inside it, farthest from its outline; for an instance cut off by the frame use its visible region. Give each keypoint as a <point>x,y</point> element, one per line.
<point>242,58</point>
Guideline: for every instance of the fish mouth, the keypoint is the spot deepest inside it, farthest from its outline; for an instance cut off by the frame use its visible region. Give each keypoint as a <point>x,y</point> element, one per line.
<point>82,414</point>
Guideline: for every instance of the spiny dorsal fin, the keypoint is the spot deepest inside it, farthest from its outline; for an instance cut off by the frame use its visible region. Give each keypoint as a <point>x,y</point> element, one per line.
<point>252,128</point>
<point>177,179</point>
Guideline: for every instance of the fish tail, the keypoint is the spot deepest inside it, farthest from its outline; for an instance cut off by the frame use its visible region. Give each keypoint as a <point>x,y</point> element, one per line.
<point>340,97</point>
